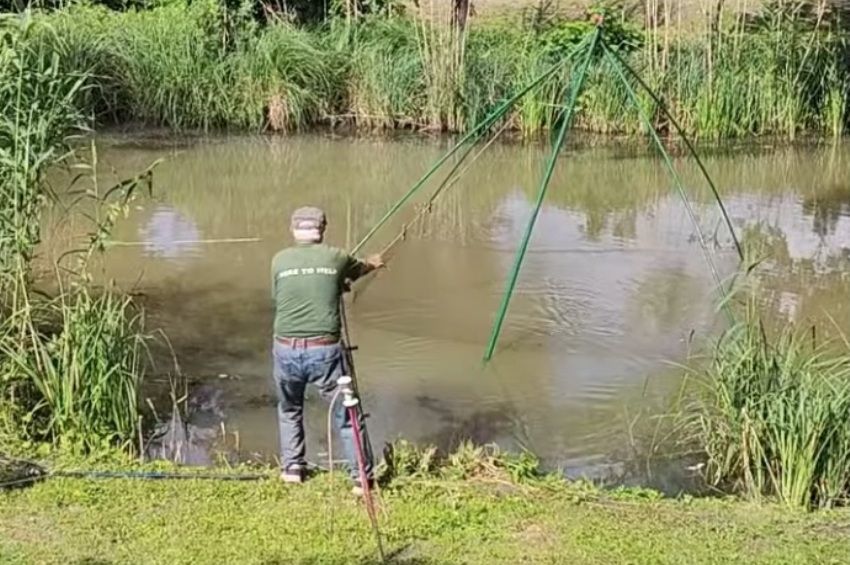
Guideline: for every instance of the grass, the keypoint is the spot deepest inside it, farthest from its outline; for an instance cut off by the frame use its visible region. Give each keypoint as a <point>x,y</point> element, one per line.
<point>773,420</point>
<point>78,382</point>
<point>422,520</point>
<point>39,105</point>
<point>70,364</point>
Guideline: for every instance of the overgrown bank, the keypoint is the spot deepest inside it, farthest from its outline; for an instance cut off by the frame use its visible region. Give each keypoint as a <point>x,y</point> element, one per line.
<point>71,361</point>
<point>203,65</point>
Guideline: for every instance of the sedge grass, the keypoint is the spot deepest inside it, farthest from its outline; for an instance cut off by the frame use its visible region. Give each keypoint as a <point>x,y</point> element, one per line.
<point>773,420</point>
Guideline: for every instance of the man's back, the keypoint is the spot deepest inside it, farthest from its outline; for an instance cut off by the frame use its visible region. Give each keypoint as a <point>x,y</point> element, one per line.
<point>307,282</point>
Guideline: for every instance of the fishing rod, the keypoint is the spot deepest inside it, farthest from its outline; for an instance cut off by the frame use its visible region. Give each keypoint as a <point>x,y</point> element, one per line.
<point>427,207</point>
<point>348,385</point>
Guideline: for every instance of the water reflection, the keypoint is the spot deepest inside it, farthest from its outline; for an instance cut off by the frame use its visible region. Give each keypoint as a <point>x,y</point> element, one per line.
<point>613,288</point>
<point>803,285</point>
<point>827,208</point>
<point>169,234</point>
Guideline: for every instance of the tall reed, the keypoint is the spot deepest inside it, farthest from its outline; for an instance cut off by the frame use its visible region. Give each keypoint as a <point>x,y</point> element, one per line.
<point>384,84</point>
<point>77,366</point>
<point>773,418</point>
<point>442,44</point>
<point>70,366</point>
<point>203,65</point>
<point>39,106</point>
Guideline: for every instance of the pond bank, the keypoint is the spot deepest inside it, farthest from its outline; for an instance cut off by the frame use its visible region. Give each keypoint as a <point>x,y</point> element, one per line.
<point>203,66</point>
<point>423,521</point>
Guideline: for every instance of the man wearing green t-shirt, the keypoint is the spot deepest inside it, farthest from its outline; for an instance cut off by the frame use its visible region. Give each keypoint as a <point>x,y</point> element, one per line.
<point>308,280</point>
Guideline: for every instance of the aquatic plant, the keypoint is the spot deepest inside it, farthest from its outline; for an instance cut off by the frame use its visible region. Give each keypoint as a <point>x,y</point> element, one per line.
<point>468,461</point>
<point>773,416</point>
<point>76,365</point>
<point>39,106</point>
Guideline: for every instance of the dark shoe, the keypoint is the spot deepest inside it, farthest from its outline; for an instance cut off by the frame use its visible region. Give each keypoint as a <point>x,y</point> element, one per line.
<point>294,474</point>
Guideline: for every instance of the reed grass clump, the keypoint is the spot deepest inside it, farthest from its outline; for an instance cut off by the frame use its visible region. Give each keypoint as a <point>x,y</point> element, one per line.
<point>199,66</point>
<point>774,417</point>
<point>76,365</point>
<point>384,85</point>
<point>71,363</point>
<point>468,461</point>
<point>39,106</point>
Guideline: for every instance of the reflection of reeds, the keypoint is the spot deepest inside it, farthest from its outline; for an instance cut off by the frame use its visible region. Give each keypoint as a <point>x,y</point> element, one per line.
<point>256,182</point>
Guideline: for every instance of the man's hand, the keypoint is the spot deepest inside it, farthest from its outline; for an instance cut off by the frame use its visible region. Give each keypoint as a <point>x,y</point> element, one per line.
<point>375,262</point>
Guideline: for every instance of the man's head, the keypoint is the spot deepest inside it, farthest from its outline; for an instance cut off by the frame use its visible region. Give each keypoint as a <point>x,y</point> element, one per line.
<point>308,225</point>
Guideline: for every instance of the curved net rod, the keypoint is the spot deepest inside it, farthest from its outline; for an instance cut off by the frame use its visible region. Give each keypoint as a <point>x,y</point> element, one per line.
<point>671,169</point>
<point>612,53</point>
<point>566,124</point>
<point>477,132</point>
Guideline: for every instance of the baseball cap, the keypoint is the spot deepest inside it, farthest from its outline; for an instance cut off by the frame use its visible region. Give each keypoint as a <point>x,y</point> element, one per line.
<point>308,218</point>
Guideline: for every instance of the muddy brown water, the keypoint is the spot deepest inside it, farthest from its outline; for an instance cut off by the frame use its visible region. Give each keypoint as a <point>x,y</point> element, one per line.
<point>615,289</point>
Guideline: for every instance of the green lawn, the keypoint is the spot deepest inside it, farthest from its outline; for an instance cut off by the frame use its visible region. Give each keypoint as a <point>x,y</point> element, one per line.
<point>440,521</point>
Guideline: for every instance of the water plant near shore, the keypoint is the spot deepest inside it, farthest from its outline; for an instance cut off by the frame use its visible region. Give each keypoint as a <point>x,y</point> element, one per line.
<point>773,416</point>
<point>70,364</point>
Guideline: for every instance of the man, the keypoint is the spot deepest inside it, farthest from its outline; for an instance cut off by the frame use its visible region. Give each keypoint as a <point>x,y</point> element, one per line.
<point>308,280</point>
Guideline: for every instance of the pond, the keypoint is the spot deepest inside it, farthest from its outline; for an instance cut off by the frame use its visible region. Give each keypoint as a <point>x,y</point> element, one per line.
<point>615,290</point>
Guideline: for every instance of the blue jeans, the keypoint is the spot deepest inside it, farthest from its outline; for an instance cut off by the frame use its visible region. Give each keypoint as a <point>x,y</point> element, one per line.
<point>294,369</point>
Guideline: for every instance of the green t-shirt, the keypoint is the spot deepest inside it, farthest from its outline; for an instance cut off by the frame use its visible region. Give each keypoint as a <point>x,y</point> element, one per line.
<point>307,283</point>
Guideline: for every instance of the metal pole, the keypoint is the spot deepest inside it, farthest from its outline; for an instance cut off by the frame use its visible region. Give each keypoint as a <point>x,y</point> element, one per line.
<point>352,405</point>
<point>568,115</point>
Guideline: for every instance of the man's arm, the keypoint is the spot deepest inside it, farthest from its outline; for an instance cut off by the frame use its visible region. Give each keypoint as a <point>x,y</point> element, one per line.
<point>356,268</point>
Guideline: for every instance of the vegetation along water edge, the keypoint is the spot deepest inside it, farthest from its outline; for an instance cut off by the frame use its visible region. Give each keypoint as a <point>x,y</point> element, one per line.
<point>777,69</point>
